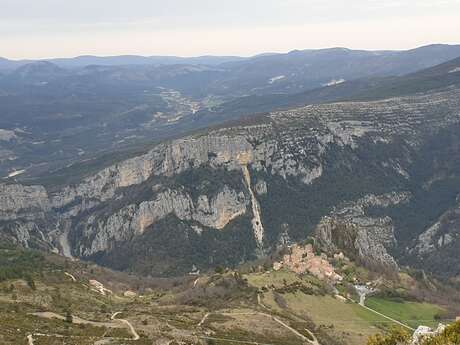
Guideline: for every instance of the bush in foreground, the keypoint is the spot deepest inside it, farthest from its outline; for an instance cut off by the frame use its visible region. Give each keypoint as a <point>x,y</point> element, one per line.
<point>450,336</point>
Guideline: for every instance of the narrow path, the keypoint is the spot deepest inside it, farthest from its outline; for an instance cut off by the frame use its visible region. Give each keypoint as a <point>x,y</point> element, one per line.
<point>283,324</point>
<point>234,341</point>
<point>71,276</point>
<point>75,319</point>
<point>126,322</point>
<point>114,315</point>
<point>259,302</point>
<point>313,342</point>
<point>195,282</point>
<point>363,291</point>
<point>204,319</point>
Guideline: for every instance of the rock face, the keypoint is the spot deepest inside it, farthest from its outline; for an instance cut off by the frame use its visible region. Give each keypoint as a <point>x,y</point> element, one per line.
<point>134,219</point>
<point>438,245</point>
<point>444,233</point>
<point>347,172</point>
<point>24,215</point>
<point>256,222</point>
<point>22,201</point>
<point>423,332</point>
<point>367,238</point>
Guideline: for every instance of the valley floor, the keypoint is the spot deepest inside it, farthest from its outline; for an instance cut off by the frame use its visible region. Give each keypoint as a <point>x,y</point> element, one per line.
<point>59,301</point>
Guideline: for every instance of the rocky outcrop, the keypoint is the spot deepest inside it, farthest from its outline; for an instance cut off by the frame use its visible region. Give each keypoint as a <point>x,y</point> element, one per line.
<point>18,201</point>
<point>366,238</point>
<point>218,149</point>
<point>249,171</point>
<point>257,225</point>
<point>7,135</point>
<point>422,333</point>
<point>261,187</point>
<point>444,232</point>
<point>436,248</point>
<point>24,215</point>
<point>210,212</point>
<point>164,160</point>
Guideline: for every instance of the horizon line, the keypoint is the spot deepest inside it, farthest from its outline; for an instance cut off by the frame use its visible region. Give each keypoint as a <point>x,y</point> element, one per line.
<point>220,55</point>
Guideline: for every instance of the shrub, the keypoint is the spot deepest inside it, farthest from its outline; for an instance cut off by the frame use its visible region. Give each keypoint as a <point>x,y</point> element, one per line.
<point>68,316</point>
<point>280,301</point>
<point>450,336</point>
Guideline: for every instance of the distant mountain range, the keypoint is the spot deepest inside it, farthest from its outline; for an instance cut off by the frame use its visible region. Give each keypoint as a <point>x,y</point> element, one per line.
<point>383,60</point>
<point>371,88</point>
<point>123,60</point>
<point>228,76</point>
<point>54,115</point>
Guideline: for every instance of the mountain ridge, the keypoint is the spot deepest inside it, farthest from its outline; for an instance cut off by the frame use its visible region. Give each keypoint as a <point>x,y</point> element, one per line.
<point>94,104</point>
<point>131,206</point>
<point>113,60</point>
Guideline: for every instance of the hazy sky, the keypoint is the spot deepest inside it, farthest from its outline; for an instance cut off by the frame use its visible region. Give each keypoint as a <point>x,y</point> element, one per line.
<point>54,28</point>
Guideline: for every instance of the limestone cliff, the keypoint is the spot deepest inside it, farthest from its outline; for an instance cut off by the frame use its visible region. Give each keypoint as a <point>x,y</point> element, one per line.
<point>134,219</point>
<point>359,235</point>
<point>241,187</point>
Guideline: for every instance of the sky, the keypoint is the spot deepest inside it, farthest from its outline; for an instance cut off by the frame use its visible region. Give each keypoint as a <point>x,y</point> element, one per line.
<point>65,28</point>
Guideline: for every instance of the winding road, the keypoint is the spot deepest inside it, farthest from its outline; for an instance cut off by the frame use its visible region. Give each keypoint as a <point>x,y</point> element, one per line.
<point>71,276</point>
<point>126,322</point>
<point>77,320</point>
<point>312,340</point>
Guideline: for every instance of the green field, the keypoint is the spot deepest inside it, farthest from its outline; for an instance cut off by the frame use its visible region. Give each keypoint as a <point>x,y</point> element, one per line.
<point>410,313</point>
<point>343,320</point>
<point>350,321</point>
